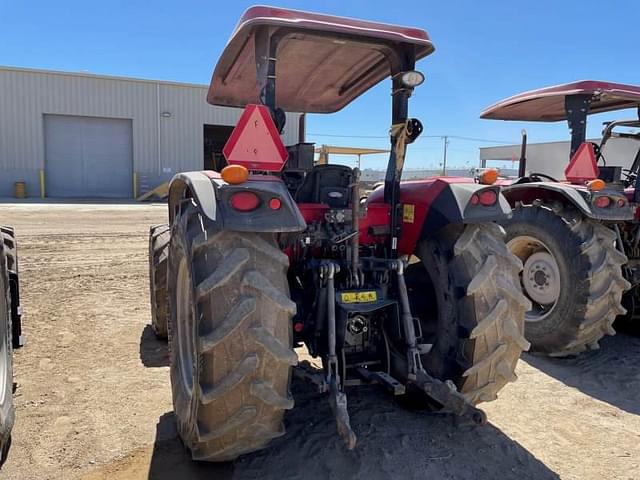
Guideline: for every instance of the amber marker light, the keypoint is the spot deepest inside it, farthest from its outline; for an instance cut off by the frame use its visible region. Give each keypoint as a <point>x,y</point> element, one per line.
<point>489,177</point>
<point>234,174</point>
<point>596,185</point>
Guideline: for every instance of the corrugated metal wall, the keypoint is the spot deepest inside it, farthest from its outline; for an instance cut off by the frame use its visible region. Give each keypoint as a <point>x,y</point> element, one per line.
<point>552,158</point>
<point>167,120</point>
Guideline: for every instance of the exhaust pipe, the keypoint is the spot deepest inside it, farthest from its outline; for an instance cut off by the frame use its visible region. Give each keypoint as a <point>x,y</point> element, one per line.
<point>522,167</point>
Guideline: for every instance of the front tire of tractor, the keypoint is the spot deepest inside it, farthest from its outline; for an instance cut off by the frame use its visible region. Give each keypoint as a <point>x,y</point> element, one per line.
<point>572,273</point>
<point>230,337</point>
<point>159,236</point>
<point>7,413</point>
<point>477,334</point>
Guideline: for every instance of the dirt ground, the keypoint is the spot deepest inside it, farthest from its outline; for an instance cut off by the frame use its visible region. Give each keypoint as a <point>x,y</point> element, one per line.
<point>93,398</point>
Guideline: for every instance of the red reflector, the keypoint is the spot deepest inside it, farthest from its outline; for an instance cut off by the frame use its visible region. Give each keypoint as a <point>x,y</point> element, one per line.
<point>621,202</point>
<point>298,327</point>
<point>602,201</point>
<point>244,201</point>
<point>488,198</point>
<point>275,204</point>
<point>475,199</point>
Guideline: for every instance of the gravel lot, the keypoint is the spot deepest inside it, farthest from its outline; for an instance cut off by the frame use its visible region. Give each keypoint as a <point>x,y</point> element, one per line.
<point>93,398</point>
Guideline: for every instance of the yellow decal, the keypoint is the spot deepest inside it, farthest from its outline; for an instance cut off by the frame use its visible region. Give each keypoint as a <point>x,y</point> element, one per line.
<point>408,213</point>
<point>359,297</point>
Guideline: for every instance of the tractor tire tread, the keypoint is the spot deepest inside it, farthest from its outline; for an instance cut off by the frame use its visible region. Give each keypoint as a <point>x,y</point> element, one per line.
<point>159,237</point>
<point>244,335</point>
<point>499,331</point>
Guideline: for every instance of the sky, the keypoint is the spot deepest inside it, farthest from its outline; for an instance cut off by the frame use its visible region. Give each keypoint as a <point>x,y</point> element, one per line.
<point>485,51</point>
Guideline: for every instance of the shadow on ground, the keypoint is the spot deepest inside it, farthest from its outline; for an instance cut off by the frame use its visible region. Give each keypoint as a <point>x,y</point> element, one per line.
<point>610,374</point>
<point>153,352</point>
<point>392,443</point>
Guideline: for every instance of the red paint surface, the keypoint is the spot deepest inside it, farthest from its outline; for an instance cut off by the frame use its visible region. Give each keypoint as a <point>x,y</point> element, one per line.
<point>313,212</point>
<point>421,194</point>
<point>279,16</point>
<point>255,142</point>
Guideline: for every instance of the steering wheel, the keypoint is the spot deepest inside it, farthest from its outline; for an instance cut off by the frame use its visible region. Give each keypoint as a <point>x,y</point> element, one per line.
<point>630,177</point>
<point>533,175</point>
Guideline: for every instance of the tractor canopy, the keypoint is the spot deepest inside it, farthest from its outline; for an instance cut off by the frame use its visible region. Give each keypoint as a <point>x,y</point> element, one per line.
<point>322,62</point>
<point>548,104</point>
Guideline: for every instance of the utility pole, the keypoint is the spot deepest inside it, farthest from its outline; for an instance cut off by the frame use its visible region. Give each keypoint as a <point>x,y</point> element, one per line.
<point>444,159</point>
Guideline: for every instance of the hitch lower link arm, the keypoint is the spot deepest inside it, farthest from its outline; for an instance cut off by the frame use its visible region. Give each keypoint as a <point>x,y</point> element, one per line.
<point>337,397</point>
<point>444,393</point>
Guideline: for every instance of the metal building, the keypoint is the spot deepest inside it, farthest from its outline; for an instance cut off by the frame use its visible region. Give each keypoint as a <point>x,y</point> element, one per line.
<point>84,135</point>
<point>551,158</point>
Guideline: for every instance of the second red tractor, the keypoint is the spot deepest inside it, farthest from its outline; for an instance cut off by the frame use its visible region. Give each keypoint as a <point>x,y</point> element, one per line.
<point>579,237</point>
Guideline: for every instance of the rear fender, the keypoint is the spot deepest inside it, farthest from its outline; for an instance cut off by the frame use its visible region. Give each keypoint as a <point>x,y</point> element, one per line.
<point>579,198</point>
<point>194,185</point>
<point>432,205</point>
<point>212,195</point>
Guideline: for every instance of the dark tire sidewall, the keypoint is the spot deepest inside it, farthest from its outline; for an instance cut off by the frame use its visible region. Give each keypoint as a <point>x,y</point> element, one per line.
<point>7,413</point>
<point>456,314</point>
<point>184,403</point>
<point>555,330</point>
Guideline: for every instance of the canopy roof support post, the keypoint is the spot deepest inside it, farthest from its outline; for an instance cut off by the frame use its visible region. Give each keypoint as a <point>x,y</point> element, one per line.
<point>577,109</point>
<point>404,61</point>
<point>266,50</point>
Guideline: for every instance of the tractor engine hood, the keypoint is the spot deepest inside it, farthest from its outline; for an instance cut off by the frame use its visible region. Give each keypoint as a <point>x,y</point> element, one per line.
<point>323,62</point>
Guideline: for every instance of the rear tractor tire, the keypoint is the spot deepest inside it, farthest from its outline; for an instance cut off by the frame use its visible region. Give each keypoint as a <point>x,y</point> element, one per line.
<point>159,236</point>
<point>230,337</point>
<point>7,412</point>
<point>464,291</point>
<point>8,239</point>
<point>572,274</point>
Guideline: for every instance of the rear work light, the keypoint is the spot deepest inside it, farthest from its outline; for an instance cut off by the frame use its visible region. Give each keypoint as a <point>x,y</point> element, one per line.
<point>244,201</point>
<point>602,201</point>
<point>488,198</point>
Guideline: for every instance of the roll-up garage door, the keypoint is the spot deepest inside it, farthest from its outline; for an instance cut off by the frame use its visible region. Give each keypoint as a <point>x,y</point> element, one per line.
<point>88,157</point>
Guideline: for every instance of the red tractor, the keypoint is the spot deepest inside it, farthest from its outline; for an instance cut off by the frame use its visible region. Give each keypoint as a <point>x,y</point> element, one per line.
<point>265,256</point>
<point>577,238</point>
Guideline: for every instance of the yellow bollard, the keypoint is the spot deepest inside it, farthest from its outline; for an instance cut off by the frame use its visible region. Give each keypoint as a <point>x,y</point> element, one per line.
<point>135,184</point>
<point>43,193</point>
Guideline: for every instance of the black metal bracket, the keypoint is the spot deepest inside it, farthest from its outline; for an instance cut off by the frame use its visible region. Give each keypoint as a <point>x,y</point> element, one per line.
<point>576,109</point>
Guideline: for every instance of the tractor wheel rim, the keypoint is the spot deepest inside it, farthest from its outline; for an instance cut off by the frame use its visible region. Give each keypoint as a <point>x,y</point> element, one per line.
<point>184,323</point>
<point>540,276</point>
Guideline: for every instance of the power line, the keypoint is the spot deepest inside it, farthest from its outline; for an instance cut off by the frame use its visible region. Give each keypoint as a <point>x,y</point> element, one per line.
<point>457,137</point>
<point>471,139</point>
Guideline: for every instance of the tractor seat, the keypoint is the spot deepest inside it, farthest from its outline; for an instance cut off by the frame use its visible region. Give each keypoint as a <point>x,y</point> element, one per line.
<point>329,184</point>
